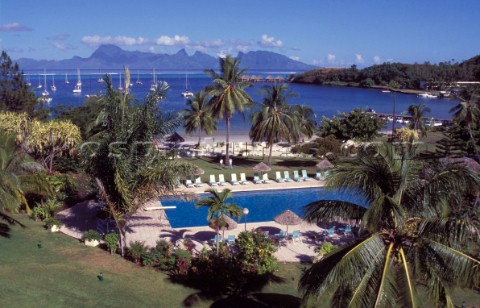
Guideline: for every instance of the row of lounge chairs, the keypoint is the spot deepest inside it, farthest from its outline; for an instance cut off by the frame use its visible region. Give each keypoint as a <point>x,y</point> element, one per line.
<point>264,179</point>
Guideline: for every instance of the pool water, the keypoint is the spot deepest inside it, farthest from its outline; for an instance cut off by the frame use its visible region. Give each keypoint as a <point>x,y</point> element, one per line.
<point>262,205</point>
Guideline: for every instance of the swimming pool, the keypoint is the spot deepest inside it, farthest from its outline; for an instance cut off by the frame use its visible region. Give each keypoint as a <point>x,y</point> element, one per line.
<point>262,205</point>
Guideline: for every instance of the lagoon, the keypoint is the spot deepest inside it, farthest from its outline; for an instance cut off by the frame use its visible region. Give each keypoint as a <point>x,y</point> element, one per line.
<point>324,100</point>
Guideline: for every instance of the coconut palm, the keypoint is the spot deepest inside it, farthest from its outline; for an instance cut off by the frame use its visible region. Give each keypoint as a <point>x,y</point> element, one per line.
<point>228,94</point>
<point>198,117</point>
<point>467,111</point>
<point>417,112</point>
<point>276,121</point>
<point>306,119</point>
<point>218,207</point>
<point>126,167</point>
<point>20,176</point>
<point>406,237</point>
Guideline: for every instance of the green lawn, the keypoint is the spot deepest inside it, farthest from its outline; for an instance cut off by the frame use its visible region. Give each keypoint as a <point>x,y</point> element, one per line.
<point>64,273</point>
<point>245,164</point>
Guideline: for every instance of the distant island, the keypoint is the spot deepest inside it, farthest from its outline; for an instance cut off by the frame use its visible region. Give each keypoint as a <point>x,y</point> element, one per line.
<point>396,75</point>
<point>113,57</point>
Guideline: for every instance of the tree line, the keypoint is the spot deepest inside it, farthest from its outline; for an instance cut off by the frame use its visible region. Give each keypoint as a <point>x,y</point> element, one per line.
<point>409,76</point>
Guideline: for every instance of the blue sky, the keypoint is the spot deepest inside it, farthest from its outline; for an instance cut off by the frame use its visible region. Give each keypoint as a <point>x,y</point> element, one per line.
<point>325,33</point>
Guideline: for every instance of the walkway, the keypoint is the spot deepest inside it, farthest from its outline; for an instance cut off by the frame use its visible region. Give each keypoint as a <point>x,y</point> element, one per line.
<point>149,226</point>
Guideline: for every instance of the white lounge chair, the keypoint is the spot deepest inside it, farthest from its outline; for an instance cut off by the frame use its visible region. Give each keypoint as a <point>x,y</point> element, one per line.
<point>212,180</point>
<point>265,178</point>
<point>305,176</point>
<point>198,181</point>
<point>243,179</point>
<point>256,178</point>
<point>287,177</point>
<point>221,180</point>
<point>319,175</point>
<point>234,180</point>
<point>278,177</point>
<point>296,177</point>
<point>188,183</point>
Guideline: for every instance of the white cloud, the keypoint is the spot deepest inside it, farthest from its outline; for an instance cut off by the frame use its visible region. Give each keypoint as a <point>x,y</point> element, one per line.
<point>63,47</point>
<point>59,37</point>
<point>176,40</point>
<point>151,49</point>
<point>14,27</point>
<point>270,41</point>
<point>331,58</point>
<point>223,53</point>
<point>296,58</point>
<point>377,59</point>
<point>359,59</point>
<point>96,40</point>
<point>317,62</point>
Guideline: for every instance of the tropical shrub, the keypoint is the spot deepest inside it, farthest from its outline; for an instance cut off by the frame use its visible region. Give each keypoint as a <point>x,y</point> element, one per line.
<point>111,240</point>
<point>50,222</point>
<point>45,209</point>
<point>256,253</point>
<point>136,250</point>
<point>320,146</point>
<point>63,185</point>
<point>91,235</point>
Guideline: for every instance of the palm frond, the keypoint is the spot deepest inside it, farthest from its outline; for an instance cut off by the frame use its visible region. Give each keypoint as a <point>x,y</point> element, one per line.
<point>345,266</point>
<point>449,231</point>
<point>332,210</point>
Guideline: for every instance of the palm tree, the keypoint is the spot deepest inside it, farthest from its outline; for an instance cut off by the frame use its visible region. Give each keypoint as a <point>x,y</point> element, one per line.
<point>307,124</point>
<point>228,94</point>
<point>276,121</point>
<point>218,207</point>
<point>467,111</point>
<point>20,176</point>
<point>198,117</point>
<point>417,112</point>
<point>406,237</point>
<point>126,167</point>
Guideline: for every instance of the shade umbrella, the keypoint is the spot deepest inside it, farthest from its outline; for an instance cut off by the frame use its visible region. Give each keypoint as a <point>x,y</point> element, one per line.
<point>228,224</point>
<point>288,218</point>
<point>175,138</point>
<point>262,167</point>
<point>324,165</point>
<point>198,171</point>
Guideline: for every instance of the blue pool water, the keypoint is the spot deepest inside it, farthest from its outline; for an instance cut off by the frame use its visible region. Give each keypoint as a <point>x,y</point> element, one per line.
<point>262,205</point>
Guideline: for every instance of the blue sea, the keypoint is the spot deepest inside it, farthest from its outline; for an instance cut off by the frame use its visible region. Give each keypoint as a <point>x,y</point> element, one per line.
<point>324,100</point>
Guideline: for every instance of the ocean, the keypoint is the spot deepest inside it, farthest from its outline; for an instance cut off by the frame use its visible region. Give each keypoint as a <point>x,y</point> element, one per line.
<point>324,100</point>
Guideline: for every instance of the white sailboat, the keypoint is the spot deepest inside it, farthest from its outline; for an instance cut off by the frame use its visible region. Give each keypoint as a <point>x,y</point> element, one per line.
<point>66,79</point>
<point>28,81</point>
<point>187,93</point>
<point>153,87</point>
<point>39,84</point>
<point>138,79</point>
<point>78,86</point>
<point>53,87</point>
<point>45,98</point>
<point>120,88</point>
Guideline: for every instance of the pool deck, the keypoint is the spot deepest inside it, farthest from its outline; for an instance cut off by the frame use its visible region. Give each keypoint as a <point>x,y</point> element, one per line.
<point>149,226</point>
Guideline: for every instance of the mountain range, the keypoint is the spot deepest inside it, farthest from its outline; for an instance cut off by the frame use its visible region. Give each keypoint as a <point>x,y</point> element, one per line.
<point>113,57</point>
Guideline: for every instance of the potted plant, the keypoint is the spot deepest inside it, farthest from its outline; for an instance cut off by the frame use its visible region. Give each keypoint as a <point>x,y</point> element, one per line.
<point>91,238</point>
<point>53,224</point>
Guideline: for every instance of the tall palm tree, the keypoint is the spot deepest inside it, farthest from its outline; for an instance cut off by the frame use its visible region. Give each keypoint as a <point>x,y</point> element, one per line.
<point>20,176</point>
<point>276,121</point>
<point>467,111</point>
<point>406,237</point>
<point>417,112</point>
<point>198,117</point>
<point>218,207</point>
<point>126,167</point>
<point>228,94</point>
<point>306,119</point>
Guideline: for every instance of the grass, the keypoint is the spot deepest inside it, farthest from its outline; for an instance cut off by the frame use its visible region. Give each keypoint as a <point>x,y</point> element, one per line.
<point>245,164</point>
<point>64,273</point>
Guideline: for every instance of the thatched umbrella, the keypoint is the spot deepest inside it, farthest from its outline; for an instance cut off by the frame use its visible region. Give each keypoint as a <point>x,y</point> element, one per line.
<point>288,218</point>
<point>198,171</point>
<point>175,138</point>
<point>223,223</point>
<point>262,167</point>
<point>324,165</point>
